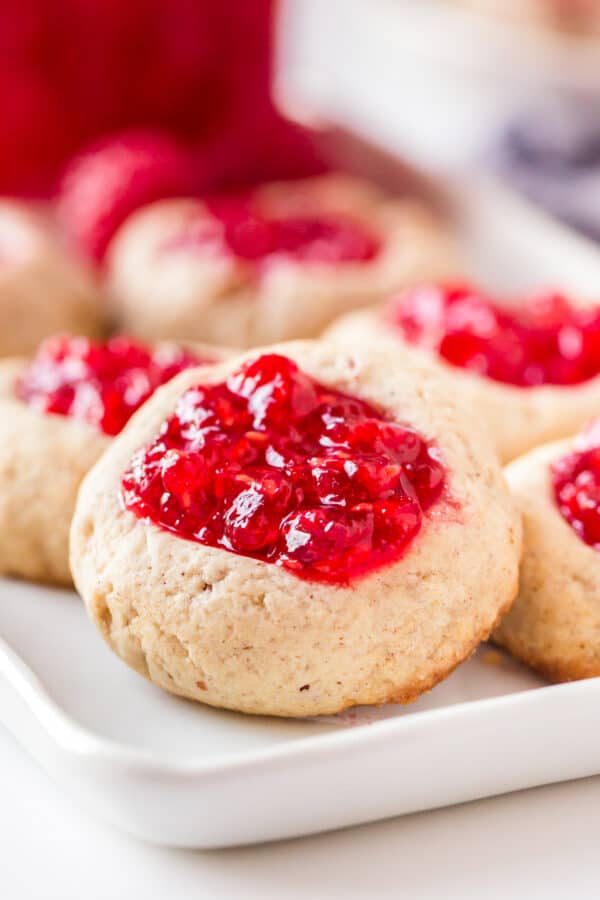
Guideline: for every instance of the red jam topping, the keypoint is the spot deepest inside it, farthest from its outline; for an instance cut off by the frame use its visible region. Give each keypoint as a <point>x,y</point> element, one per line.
<point>237,229</point>
<point>576,485</point>
<point>273,465</point>
<point>546,341</point>
<point>100,383</point>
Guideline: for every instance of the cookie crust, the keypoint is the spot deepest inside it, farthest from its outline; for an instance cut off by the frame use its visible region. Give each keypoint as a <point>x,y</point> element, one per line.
<point>43,459</point>
<point>518,419</point>
<point>247,635</point>
<point>42,290</point>
<point>554,625</point>
<point>178,294</point>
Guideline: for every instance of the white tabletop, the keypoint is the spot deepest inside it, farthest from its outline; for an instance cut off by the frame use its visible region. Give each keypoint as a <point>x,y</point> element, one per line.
<point>536,844</point>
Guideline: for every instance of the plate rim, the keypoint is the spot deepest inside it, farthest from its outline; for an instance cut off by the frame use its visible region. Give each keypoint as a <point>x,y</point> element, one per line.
<point>73,738</point>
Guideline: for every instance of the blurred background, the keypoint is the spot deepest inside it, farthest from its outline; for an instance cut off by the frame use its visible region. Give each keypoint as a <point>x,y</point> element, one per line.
<point>508,88</point>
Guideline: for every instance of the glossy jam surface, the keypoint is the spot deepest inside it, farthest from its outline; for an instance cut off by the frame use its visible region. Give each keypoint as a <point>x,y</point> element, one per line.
<point>576,485</point>
<point>100,383</point>
<point>273,465</point>
<point>236,228</point>
<point>546,342</point>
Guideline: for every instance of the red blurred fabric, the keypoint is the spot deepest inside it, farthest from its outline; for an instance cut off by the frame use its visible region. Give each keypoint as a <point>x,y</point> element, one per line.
<point>71,70</point>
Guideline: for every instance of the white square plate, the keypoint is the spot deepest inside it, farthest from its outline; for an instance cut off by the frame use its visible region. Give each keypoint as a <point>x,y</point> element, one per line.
<point>175,772</point>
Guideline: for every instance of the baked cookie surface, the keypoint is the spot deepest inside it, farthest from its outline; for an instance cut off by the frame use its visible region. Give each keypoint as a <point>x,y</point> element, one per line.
<point>42,461</point>
<point>517,416</point>
<point>279,264</point>
<point>42,290</point>
<point>58,413</point>
<point>554,625</point>
<point>248,634</point>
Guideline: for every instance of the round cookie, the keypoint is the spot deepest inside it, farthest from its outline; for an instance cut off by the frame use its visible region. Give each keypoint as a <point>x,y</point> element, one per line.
<point>42,290</point>
<point>237,631</point>
<point>517,418</point>
<point>280,265</point>
<point>554,625</point>
<point>43,458</point>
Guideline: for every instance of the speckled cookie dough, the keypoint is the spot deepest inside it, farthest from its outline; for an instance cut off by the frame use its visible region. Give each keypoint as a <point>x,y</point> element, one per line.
<point>554,625</point>
<point>248,635</point>
<point>516,418</point>
<point>42,290</point>
<point>163,286</point>
<point>42,461</point>
<point>43,458</point>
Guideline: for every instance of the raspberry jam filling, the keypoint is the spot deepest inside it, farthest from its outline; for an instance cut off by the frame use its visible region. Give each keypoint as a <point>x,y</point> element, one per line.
<point>546,341</point>
<point>275,466</point>
<point>576,485</point>
<point>238,230</point>
<point>100,383</point>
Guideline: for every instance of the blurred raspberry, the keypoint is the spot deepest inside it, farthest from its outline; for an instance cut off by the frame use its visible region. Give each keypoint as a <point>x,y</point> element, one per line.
<point>102,186</point>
